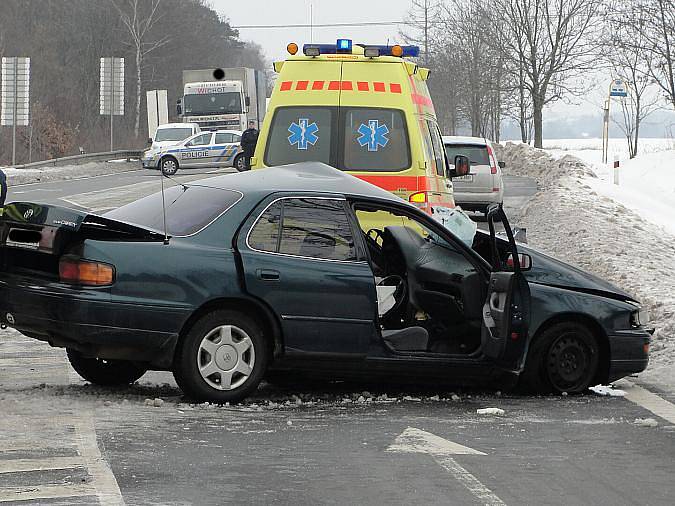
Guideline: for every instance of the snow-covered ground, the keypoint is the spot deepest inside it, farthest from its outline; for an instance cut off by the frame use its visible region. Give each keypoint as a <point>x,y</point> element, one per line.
<point>574,221</point>
<point>646,183</point>
<point>64,172</point>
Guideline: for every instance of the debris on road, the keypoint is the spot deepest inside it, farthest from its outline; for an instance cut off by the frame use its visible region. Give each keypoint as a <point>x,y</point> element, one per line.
<point>646,422</point>
<point>607,390</point>
<point>490,411</point>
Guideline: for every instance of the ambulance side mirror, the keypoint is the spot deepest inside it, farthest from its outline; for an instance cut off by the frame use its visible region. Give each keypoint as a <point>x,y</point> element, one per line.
<point>462,167</point>
<point>179,107</point>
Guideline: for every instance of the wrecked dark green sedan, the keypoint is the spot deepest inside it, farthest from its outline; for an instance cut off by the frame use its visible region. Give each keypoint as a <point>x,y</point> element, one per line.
<point>303,269</point>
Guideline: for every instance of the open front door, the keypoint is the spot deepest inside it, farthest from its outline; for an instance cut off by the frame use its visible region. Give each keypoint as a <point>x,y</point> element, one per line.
<point>506,312</point>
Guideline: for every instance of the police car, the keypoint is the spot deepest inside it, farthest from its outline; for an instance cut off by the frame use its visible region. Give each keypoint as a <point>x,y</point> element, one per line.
<point>205,149</point>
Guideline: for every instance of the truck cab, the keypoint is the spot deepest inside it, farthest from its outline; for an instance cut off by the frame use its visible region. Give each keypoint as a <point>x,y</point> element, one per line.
<point>365,110</point>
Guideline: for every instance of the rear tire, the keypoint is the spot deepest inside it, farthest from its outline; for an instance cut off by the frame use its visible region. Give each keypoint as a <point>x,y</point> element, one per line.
<point>564,358</point>
<point>240,163</point>
<point>105,372</point>
<point>222,358</point>
<point>168,165</point>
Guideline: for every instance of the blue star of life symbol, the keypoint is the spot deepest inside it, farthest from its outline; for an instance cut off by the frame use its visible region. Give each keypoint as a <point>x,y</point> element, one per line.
<point>373,134</point>
<point>303,133</point>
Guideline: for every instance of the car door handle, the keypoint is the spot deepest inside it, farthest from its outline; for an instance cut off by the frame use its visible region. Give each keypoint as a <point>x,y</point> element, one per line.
<point>267,274</point>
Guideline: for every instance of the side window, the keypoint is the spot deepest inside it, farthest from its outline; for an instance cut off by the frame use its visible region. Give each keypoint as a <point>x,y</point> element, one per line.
<point>315,228</point>
<point>236,138</point>
<point>437,143</point>
<point>201,140</point>
<point>265,233</point>
<point>300,134</point>
<point>223,138</point>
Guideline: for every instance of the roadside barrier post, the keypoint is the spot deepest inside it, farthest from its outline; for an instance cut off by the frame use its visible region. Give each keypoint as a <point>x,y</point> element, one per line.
<point>616,169</point>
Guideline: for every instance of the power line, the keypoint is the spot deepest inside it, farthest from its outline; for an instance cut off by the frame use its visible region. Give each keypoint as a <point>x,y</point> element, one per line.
<point>324,25</point>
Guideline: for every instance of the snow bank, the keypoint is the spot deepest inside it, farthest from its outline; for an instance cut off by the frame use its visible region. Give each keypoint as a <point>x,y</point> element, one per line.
<point>65,172</point>
<point>571,221</point>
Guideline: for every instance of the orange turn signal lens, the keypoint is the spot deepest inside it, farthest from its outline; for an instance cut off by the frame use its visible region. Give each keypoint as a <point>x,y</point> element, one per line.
<point>397,50</point>
<point>85,272</point>
<point>292,48</point>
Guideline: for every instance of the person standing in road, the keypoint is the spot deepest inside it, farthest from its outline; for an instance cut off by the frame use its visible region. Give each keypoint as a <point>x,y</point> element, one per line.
<point>248,141</point>
<point>3,189</point>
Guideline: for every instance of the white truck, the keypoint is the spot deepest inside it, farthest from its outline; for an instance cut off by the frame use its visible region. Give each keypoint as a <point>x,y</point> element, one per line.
<point>225,98</point>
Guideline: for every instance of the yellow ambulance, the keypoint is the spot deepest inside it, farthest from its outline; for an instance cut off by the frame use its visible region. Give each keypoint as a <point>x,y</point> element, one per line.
<point>363,109</point>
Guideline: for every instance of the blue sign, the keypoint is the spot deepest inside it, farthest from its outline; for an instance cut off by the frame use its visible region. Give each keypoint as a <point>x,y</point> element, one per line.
<point>303,133</point>
<point>373,135</point>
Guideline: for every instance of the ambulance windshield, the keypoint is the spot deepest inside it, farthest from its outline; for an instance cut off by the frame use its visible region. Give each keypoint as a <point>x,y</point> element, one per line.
<point>356,139</point>
<point>213,103</point>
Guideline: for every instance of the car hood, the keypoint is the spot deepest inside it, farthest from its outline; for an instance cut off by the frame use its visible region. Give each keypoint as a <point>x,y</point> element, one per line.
<point>158,145</point>
<point>550,271</point>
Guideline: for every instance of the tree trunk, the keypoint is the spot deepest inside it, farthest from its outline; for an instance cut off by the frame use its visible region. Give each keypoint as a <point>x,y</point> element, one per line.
<point>137,120</point>
<point>537,106</point>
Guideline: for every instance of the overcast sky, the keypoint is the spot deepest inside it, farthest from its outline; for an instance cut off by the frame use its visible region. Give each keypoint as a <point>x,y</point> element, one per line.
<point>277,12</point>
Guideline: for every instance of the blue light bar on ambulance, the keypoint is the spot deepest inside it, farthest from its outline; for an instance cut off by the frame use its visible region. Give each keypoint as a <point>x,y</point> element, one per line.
<point>344,46</point>
<point>375,50</point>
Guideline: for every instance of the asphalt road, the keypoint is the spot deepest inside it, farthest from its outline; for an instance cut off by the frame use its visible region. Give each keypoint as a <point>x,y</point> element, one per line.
<point>63,441</point>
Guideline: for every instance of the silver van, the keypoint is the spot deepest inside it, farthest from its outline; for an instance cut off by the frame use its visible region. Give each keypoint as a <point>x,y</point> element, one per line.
<point>484,184</point>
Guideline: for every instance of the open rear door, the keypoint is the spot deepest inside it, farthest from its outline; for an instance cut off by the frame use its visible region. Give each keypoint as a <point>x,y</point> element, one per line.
<point>506,312</point>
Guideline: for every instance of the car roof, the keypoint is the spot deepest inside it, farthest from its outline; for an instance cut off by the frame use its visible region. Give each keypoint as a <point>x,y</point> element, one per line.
<point>458,139</point>
<point>176,125</point>
<point>302,177</point>
<point>238,132</point>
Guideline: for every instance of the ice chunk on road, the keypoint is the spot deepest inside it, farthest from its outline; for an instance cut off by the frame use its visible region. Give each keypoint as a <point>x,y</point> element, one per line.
<point>490,411</point>
<point>646,422</point>
<point>607,390</point>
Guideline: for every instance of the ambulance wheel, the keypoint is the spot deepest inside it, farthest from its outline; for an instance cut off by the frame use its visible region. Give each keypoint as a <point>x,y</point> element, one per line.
<point>169,165</point>
<point>240,163</point>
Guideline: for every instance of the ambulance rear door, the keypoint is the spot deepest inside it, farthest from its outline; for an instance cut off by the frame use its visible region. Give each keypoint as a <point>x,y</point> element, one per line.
<point>304,114</point>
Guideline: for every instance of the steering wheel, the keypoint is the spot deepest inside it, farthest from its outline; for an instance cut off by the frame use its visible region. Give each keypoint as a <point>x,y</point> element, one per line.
<point>399,293</point>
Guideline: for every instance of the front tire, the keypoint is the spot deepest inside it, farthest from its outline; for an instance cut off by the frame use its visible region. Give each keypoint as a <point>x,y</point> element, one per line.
<point>168,165</point>
<point>105,372</point>
<point>564,358</point>
<point>222,358</point>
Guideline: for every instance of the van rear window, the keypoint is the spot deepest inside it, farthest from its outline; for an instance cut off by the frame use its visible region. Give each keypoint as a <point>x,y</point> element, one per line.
<point>375,140</point>
<point>478,155</point>
<point>300,134</point>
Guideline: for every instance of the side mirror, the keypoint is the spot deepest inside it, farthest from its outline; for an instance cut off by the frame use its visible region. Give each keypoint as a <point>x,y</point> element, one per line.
<point>524,259</point>
<point>501,164</point>
<point>179,107</point>
<point>247,100</point>
<point>462,167</point>
<point>149,140</point>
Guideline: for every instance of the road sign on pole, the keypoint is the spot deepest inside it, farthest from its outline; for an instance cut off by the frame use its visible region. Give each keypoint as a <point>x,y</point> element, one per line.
<point>15,99</point>
<point>618,88</point>
<point>111,96</point>
<point>158,110</point>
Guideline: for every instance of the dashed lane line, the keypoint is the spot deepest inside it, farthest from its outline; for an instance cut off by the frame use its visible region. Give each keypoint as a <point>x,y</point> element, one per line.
<point>38,492</point>
<point>46,464</point>
<point>649,400</point>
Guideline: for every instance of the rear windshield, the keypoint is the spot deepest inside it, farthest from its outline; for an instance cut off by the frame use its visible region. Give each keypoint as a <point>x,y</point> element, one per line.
<point>172,134</point>
<point>360,139</point>
<point>188,209</point>
<point>478,155</point>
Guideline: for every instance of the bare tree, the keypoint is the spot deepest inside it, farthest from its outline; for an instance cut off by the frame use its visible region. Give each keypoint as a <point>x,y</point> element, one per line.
<point>138,18</point>
<point>624,48</point>
<point>554,42</point>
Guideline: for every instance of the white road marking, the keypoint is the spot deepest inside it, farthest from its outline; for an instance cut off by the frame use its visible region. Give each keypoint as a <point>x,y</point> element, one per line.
<point>649,400</point>
<point>49,463</point>
<point>414,440</point>
<point>103,479</point>
<point>33,493</point>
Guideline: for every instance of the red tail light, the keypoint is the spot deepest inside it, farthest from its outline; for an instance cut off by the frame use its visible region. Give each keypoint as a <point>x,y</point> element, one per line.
<point>76,271</point>
<point>493,164</point>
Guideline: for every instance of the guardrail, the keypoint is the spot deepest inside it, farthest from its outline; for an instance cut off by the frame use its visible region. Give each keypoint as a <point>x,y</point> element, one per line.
<point>87,157</point>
